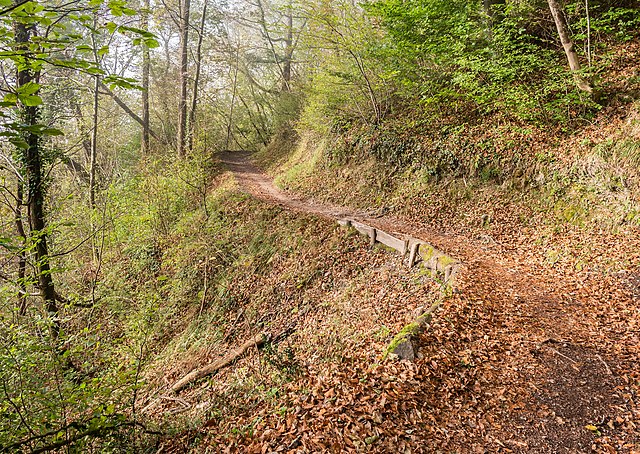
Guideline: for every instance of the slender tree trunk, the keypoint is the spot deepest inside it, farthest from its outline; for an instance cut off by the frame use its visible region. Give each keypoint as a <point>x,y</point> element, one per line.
<point>35,177</point>
<point>253,121</point>
<point>146,62</point>
<point>233,100</point>
<point>196,80</point>
<point>93,164</point>
<point>22,256</point>
<point>265,32</point>
<point>86,143</point>
<point>94,145</point>
<point>93,157</point>
<point>288,51</point>
<point>567,44</point>
<point>184,74</point>
<point>586,7</point>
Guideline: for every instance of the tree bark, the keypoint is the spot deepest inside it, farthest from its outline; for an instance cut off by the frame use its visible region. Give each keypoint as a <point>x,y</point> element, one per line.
<point>184,74</point>
<point>94,145</point>
<point>196,79</point>
<point>35,177</point>
<point>233,100</point>
<point>567,44</point>
<point>288,51</point>
<point>146,62</point>
<point>22,255</point>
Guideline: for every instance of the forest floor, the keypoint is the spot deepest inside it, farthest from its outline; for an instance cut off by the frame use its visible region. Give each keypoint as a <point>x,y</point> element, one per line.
<point>522,358</point>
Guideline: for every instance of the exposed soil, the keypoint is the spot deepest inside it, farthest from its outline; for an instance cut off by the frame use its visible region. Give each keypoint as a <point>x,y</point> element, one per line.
<point>518,360</point>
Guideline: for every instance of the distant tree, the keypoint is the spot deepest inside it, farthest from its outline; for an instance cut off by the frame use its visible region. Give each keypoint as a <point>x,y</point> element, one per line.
<point>196,78</point>
<point>185,10</point>
<point>146,63</point>
<point>567,44</point>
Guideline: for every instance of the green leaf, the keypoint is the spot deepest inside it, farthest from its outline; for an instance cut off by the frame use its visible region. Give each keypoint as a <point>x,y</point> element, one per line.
<point>104,50</point>
<point>29,88</point>
<point>94,71</point>
<point>111,26</point>
<point>151,43</point>
<point>30,100</point>
<point>11,98</point>
<point>32,8</point>
<point>52,132</point>
<point>5,240</point>
<point>122,82</point>
<point>36,129</point>
<point>19,143</point>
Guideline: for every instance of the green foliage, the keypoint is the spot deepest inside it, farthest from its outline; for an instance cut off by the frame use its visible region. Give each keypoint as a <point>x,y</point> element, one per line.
<point>61,44</point>
<point>620,22</point>
<point>49,397</point>
<point>349,85</point>
<point>450,54</point>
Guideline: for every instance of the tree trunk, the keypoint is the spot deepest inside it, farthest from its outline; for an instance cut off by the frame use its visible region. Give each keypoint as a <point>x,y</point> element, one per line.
<point>35,177</point>
<point>22,255</point>
<point>184,74</point>
<point>288,51</point>
<point>567,44</point>
<point>94,145</point>
<point>196,80</point>
<point>233,100</point>
<point>145,142</point>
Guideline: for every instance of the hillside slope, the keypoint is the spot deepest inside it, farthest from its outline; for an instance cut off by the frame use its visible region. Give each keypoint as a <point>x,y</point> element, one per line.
<point>536,351</point>
<point>524,358</point>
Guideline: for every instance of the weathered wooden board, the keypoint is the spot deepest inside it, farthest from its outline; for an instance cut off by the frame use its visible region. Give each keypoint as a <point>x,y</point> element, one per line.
<point>433,259</point>
<point>398,244</point>
<point>362,228</point>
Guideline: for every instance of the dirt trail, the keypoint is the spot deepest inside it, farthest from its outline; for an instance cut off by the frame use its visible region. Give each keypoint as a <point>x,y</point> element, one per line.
<point>544,379</point>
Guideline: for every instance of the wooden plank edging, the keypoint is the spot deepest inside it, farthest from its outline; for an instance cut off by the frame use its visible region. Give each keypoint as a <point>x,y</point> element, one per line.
<point>439,263</point>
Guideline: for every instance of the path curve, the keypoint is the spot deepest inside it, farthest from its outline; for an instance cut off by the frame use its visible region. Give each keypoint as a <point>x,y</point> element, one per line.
<point>541,343</point>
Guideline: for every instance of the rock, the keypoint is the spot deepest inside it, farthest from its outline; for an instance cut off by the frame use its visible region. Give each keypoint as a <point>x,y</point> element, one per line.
<point>404,350</point>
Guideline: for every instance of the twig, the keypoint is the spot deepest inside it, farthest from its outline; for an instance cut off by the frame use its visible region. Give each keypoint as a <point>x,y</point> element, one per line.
<point>564,356</point>
<point>605,364</point>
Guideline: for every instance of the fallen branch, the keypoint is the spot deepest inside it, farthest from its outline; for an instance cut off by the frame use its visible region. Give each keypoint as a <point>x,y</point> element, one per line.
<point>197,374</point>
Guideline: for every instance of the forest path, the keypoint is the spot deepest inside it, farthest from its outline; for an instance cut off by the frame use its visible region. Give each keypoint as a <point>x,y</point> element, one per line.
<point>538,372</point>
